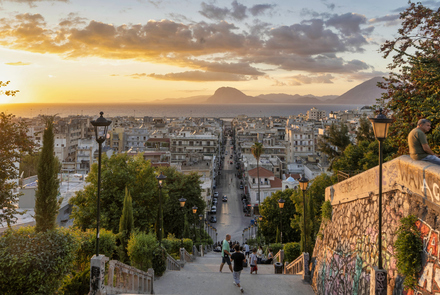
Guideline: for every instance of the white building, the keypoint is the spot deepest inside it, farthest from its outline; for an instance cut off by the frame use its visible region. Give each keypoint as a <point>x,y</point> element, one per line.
<point>315,114</point>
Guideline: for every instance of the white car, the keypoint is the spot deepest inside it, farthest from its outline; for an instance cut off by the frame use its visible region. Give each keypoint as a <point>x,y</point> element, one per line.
<point>216,194</point>
<point>213,210</point>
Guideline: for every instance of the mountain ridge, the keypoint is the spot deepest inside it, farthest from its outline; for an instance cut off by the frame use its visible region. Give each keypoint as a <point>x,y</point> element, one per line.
<point>364,93</point>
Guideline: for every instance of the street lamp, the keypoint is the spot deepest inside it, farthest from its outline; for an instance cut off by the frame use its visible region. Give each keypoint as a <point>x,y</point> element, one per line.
<point>281,205</point>
<point>160,179</point>
<point>381,125</point>
<point>249,231</point>
<point>101,128</point>
<point>195,212</point>
<point>303,183</point>
<point>200,227</point>
<point>182,201</point>
<point>259,225</point>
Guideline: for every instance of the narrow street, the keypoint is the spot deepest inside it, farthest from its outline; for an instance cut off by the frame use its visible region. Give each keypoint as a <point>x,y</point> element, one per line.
<point>230,215</point>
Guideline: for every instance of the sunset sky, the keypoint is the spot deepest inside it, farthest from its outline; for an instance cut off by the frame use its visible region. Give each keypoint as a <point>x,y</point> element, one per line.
<point>142,50</point>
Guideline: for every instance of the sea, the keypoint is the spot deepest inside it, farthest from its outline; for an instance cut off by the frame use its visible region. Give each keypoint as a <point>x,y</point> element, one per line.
<point>30,110</point>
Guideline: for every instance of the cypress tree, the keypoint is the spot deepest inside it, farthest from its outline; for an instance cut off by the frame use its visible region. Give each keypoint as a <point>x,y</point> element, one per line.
<point>46,204</point>
<point>126,223</point>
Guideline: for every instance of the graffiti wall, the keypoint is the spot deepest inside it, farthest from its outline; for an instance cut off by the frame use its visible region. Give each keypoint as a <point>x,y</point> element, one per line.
<point>345,255</point>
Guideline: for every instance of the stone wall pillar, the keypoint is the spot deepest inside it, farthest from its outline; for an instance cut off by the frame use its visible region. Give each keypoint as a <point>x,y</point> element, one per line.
<point>306,272</point>
<point>97,274</point>
<point>378,283</point>
<point>182,257</point>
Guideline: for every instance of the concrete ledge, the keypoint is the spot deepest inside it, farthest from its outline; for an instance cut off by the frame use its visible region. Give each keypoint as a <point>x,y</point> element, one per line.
<point>409,176</point>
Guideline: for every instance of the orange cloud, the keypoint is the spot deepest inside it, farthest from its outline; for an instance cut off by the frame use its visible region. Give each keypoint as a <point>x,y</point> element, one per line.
<point>18,63</point>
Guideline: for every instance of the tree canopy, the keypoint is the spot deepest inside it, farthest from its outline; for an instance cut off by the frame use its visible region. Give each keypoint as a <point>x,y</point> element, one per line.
<point>14,144</point>
<point>139,176</point>
<point>334,141</point>
<point>412,89</point>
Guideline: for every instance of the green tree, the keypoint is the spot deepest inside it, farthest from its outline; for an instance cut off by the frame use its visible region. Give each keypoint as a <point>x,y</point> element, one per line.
<point>412,89</point>
<point>178,185</point>
<point>46,204</point>
<point>14,144</point>
<point>257,150</point>
<point>126,224</point>
<point>118,171</point>
<point>272,217</point>
<point>365,130</point>
<point>334,141</point>
<point>29,164</point>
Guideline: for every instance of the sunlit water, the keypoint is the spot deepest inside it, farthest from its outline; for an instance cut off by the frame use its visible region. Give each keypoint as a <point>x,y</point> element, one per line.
<point>161,110</point>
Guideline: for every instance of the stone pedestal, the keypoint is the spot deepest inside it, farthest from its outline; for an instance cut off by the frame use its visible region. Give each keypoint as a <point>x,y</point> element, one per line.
<point>97,274</point>
<point>378,282</point>
<point>306,272</point>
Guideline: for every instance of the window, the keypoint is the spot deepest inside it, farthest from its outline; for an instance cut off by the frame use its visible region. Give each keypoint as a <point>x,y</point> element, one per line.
<point>253,180</point>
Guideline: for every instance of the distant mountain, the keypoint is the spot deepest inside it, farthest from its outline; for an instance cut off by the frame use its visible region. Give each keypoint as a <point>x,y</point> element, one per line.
<point>229,95</point>
<point>298,99</point>
<point>365,93</point>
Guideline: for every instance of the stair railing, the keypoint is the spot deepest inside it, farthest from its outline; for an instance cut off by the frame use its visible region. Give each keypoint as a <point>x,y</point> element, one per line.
<point>123,278</point>
<point>172,263</point>
<point>296,267</point>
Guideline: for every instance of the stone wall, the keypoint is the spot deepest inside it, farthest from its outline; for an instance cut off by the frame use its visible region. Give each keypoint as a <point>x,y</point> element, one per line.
<point>346,250</point>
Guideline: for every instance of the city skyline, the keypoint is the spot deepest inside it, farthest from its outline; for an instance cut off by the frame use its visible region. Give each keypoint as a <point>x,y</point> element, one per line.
<point>140,51</point>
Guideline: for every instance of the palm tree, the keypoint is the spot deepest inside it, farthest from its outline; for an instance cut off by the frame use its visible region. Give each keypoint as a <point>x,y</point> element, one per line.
<point>257,150</point>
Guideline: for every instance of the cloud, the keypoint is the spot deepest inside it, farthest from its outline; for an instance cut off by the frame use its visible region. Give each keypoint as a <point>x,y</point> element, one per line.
<point>211,11</point>
<point>32,3</point>
<point>348,23</point>
<point>137,76</point>
<point>389,20</point>
<point>18,63</point>
<point>260,9</point>
<point>217,48</point>
<point>114,75</point>
<point>304,79</point>
<point>366,75</point>
<point>199,76</point>
<point>330,6</point>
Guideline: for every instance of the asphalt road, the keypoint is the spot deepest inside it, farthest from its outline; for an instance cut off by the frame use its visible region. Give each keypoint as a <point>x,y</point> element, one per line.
<point>230,216</point>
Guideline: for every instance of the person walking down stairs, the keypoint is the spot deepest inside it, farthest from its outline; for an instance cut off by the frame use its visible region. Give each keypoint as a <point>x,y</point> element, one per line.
<point>225,253</point>
<point>239,259</point>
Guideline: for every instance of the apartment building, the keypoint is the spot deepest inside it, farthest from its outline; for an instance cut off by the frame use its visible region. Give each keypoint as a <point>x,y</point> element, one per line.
<point>316,114</point>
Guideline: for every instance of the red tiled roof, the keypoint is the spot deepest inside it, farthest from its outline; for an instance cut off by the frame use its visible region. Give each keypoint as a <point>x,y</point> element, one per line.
<point>275,183</point>
<point>263,172</point>
<point>158,140</point>
<point>295,176</point>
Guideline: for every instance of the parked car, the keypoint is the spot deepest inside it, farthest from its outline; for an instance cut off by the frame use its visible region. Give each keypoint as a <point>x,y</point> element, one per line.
<point>241,186</point>
<point>231,156</point>
<point>213,219</point>
<point>213,210</point>
<point>225,198</point>
<point>215,194</point>
<point>214,202</point>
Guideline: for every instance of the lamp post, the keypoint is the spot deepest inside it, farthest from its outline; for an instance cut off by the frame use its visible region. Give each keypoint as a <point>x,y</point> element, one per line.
<point>160,179</point>
<point>249,231</point>
<point>182,201</point>
<point>200,227</point>
<point>242,238</point>
<point>194,209</point>
<point>381,124</point>
<point>216,236</point>
<point>101,127</point>
<point>303,183</point>
<point>260,219</point>
<point>281,205</point>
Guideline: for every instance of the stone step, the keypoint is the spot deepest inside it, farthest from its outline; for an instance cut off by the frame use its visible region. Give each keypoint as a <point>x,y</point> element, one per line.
<point>193,283</point>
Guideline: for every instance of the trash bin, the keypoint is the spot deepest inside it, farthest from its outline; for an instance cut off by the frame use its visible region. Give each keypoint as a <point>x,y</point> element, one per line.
<point>278,268</point>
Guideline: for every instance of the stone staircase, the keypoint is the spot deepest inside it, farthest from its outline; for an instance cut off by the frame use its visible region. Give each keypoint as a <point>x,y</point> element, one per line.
<point>203,277</point>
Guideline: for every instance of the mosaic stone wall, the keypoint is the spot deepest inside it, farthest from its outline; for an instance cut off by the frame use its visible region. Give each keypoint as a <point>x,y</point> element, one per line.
<point>343,258</point>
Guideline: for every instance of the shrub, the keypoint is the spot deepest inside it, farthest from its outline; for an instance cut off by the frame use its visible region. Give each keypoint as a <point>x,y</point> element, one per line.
<point>409,248</point>
<point>326,210</point>
<point>76,283</point>
<point>140,249</point>
<point>291,251</point>
<point>159,261</point>
<point>276,247</point>
<point>107,246</point>
<point>35,263</point>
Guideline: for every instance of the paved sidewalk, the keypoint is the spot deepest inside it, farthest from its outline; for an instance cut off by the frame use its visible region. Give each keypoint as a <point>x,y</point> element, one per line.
<point>203,277</point>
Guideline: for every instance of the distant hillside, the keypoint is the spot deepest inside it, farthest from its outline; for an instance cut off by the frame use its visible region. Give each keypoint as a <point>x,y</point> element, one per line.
<point>299,99</point>
<point>229,95</point>
<point>365,93</point>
